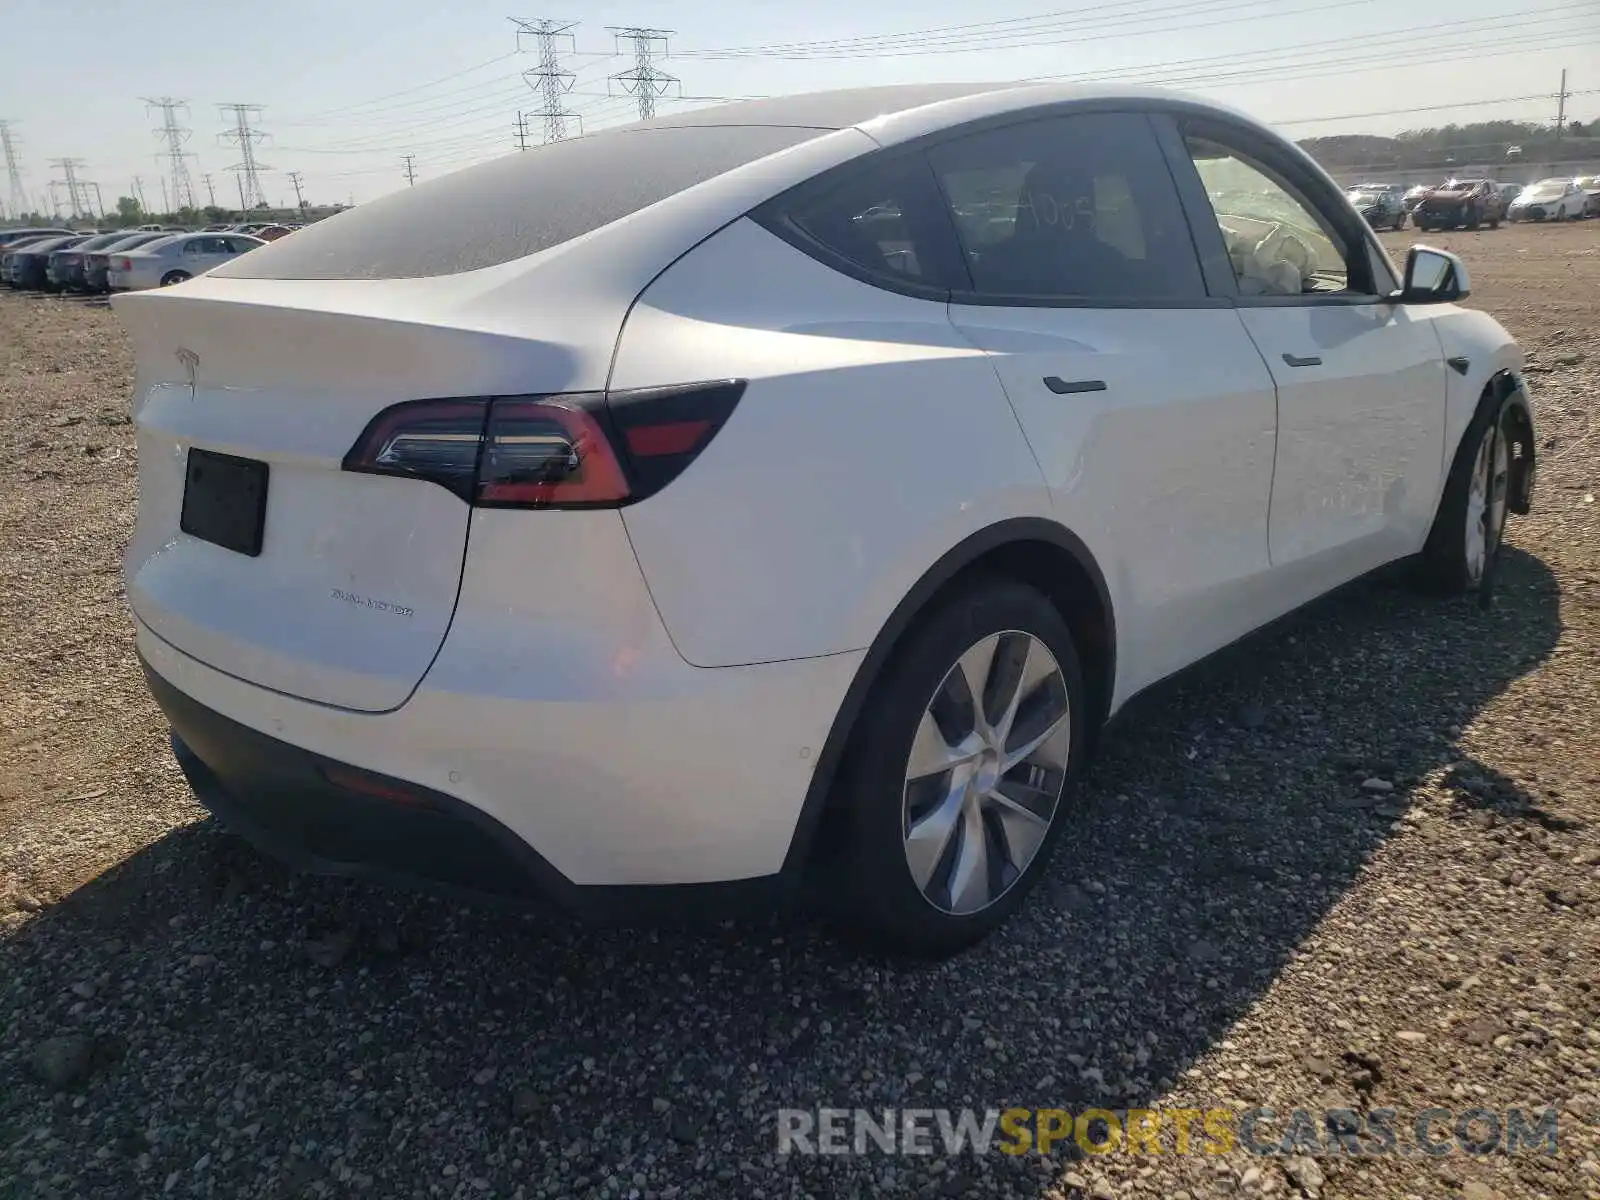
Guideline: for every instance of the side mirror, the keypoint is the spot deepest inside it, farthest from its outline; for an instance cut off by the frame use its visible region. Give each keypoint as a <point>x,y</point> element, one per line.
<point>1434,277</point>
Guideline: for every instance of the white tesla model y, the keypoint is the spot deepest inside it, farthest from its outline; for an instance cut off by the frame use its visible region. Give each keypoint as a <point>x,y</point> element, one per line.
<point>781,492</point>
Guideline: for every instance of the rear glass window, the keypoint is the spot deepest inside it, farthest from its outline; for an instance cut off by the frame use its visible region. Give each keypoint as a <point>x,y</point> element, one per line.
<point>514,206</point>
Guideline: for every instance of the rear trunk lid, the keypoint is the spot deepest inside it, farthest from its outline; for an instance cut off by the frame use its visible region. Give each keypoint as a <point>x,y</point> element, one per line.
<point>354,585</point>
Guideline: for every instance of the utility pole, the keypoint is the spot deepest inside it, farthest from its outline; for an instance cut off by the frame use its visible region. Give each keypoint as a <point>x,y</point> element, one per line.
<point>1561,107</point>
<point>18,198</point>
<point>549,78</point>
<point>138,192</point>
<point>645,81</point>
<point>77,193</point>
<point>247,169</point>
<point>244,209</point>
<point>166,203</point>
<point>522,131</point>
<point>411,169</point>
<point>175,135</point>
<point>211,189</point>
<point>299,197</point>
<point>55,199</point>
<point>99,201</point>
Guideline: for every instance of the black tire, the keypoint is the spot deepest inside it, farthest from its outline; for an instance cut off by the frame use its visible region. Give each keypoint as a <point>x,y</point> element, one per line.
<point>875,898</point>
<point>1446,565</point>
<point>172,277</point>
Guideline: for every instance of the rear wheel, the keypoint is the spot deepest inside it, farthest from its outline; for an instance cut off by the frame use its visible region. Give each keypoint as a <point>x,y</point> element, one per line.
<point>960,773</point>
<point>1464,544</point>
<point>172,277</point>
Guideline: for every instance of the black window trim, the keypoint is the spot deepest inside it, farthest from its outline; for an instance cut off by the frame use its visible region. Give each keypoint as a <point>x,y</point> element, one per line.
<point>1302,176</point>
<point>1166,116</point>
<point>971,297</point>
<point>924,217</point>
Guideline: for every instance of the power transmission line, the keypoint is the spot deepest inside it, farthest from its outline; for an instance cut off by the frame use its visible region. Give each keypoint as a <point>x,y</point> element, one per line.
<point>138,193</point>
<point>295,177</point>
<point>644,81</point>
<point>522,131</point>
<point>411,169</point>
<point>549,78</point>
<point>247,169</point>
<point>18,197</point>
<point>211,188</point>
<point>77,189</point>
<point>175,136</point>
<point>1561,107</point>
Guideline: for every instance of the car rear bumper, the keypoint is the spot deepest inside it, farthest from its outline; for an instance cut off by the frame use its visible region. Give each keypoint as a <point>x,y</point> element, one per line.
<point>688,793</point>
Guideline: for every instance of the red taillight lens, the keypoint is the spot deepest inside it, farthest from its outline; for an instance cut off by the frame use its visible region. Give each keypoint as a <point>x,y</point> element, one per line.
<point>539,453</point>
<point>571,451</point>
<point>127,265</point>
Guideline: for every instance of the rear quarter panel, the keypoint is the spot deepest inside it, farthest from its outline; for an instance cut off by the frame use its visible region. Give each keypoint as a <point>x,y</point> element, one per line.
<point>871,438</point>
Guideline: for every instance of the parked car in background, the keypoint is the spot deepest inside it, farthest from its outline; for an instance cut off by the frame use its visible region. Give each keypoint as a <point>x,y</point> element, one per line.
<point>271,233</point>
<point>480,536</point>
<point>1558,199</point>
<point>1589,185</point>
<point>9,237</point>
<point>28,262</point>
<point>1413,196</point>
<point>64,271</point>
<point>175,259</point>
<point>97,264</point>
<point>1509,192</point>
<point>1379,205</point>
<point>1460,204</point>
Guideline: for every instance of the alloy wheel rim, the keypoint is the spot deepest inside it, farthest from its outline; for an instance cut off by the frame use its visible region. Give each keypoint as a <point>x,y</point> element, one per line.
<point>1486,502</point>
<point>985,772</point>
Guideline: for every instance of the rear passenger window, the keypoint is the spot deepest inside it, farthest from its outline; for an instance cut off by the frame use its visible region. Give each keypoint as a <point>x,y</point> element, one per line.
<point>874,221</point>
<point>1079,207</point>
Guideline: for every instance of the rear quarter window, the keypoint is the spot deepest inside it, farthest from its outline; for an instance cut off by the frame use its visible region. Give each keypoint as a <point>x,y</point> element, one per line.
<point>514,206</point>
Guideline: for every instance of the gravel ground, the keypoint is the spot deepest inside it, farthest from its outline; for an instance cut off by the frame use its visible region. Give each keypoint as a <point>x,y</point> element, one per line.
<point>1252,923</point>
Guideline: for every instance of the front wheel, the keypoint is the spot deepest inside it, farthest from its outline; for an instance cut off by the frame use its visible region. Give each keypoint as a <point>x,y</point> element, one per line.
<point>172,277</point>
<point>1464,544</point>
<point>960,774</point>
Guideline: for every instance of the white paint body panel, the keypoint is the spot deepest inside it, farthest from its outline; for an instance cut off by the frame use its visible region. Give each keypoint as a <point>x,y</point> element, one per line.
<point>565,713</point>
<point>1360,434</point>
<point>1166,475</point>
<point>871,439</point>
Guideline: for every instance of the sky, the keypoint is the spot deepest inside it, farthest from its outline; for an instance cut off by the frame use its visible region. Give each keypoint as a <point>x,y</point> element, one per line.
<point>348,88</point>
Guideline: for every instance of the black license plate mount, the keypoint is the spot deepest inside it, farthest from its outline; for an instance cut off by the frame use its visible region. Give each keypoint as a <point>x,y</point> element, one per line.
<point>225,501</point>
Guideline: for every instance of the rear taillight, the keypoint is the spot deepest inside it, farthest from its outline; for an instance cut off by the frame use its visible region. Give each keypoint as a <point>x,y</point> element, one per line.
<point>586,450</point>
<point>127,265</point>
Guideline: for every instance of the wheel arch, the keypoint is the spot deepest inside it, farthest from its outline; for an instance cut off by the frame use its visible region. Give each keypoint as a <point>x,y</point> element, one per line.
<point>1033,550</point>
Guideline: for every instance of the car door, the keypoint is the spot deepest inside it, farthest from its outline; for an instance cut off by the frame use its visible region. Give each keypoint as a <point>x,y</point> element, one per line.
<point>1143,399</point>
<point>1360,378</point>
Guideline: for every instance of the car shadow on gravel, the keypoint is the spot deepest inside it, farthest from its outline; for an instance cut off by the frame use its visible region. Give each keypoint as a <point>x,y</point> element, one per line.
<point>300,1030</point>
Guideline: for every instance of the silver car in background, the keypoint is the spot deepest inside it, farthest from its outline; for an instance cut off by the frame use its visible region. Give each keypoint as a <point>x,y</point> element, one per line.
<point>172,260</point>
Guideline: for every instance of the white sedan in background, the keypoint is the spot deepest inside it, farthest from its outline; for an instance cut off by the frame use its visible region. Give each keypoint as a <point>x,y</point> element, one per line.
<point>174,259</point>
<point>1548,200</point>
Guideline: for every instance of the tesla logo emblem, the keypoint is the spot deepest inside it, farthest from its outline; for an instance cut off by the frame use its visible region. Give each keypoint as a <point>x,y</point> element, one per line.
<point>191,367</point>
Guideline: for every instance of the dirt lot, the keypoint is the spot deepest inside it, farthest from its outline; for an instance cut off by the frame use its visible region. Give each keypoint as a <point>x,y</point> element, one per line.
<point>1246,927</point>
